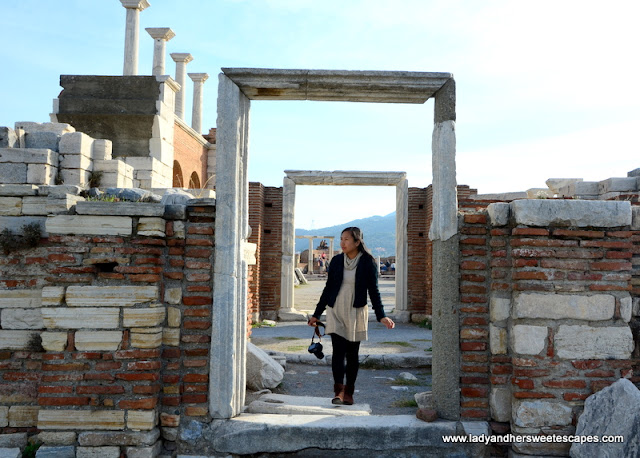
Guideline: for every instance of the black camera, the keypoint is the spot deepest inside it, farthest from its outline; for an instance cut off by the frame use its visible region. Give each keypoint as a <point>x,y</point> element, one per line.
<point>316,349</point>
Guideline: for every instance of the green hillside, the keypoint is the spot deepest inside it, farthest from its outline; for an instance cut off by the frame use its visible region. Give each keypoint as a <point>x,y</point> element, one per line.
<point>379,234</point>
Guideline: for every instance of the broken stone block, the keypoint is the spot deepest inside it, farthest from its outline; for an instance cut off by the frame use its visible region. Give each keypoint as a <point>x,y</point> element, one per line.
<point>427,415</point>
<point>21,318</point>
<point>542,413</point>
<point>614,410</point>
<point>102,150</point>
<point>500,404</point>
<point>528,340</point>
<point>8,137</point>
<point>17,340</point>
<point>54,341</point>
<point>11,206</point>
<point>580,213</point>
<point>618,185</point>
<point>140,318</point>
<point>34,206</point>
<point>262,370</point>
<point>554,184</point>
<point>23,416</point>
<point>424,400</point>
<point>98,340</point>
<point>142,420</point>
<point>59,128</point>
<point>497,340</point>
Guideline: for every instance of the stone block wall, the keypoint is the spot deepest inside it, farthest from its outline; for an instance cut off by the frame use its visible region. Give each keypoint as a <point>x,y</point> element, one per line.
<point>265,219</point>
<point>546,312</point>
<point>105,328</point>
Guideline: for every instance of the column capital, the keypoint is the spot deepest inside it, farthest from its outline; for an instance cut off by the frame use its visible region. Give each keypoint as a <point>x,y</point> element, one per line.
<point>181,57</point>
<point>198,77</point>
<point>135,4</point>
<point>160,33</point>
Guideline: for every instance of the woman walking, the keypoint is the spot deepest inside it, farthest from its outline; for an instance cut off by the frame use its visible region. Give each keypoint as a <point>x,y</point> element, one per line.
<point>352,274</point>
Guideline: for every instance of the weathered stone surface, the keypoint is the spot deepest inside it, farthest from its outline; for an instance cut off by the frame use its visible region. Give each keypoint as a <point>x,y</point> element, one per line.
<point>52,295</point>
<point>500,403</point>
<point>499,308</point>
<point>76,143</point>
<point>20,298</point>
<point>98,340</point>
<point>16,340</point>
<point>635,224</point>
<point>499,213</point>
<point>102,150</point>
<point>58,128</point>
<point>97,452</point>
<point>79,318</point>
<point>151,227</point>
<point>584,188</point>
<point>262,370</point>
<point>13,173</point>
<point>541,413</point>
<point>359,436</point>
<point>170,434</point>
<point>62,205</point>
<point>110,296</point>
<point>586,342</point>
<point>171,337</point>
<point>498,340</point>
<point>21,319</point>
<point>97,439</point>
<point>614,410</point>
<point>144,452</point>
<point>23,416</point>
<point>11,206</point>
<point>424,400</point>
<point>81,419</point>
<point>145,340</point>
<point>580,213</point>
<point>57,437</point>
<point>18,190</point>
<point>48,140</point>
<point>142,420</point>
<point>89,225</point>
<point>66,451</point>
<point>554,184</point>
<point>8,137</point>
<point>120,208</point>
<point>303,405</point>
<point>140,318</point>
<point>626,307</point>
<point>54,341</point>
<point>13,440</point>
<point>28,156</point>
<point>41,174</point>
<point>4,416</point>
<point>34,205</point>
<point>528,340</point>
<point>174,317</point>
<point>175,212</point>
<point>598,307</point>
<point>59,190</point>
<point>618,185</point>
<point>427,415</point>
<point>10,452</point>
<point>505,196</point>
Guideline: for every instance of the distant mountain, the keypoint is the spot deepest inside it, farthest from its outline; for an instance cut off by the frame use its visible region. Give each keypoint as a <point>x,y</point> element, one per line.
<point>379,234</point>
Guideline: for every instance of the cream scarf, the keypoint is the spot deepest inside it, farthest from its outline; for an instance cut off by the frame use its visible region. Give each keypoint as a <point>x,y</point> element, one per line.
<point>350,264</point>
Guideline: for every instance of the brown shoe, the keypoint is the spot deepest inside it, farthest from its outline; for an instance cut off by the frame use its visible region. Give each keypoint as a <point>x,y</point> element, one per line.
<point>347,399</point>
<point>338,389</point>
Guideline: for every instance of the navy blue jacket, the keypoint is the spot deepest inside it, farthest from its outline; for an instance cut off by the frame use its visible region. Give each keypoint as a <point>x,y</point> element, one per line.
<point>366,281</point>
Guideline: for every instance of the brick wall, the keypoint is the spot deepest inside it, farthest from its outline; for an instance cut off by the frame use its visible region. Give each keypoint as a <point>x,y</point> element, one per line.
<point>191,154</point>
<point>265,219</point>
<point>111,332</point>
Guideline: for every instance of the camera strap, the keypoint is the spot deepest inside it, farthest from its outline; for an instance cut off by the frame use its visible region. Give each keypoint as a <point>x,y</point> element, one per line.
<point>316,331</point>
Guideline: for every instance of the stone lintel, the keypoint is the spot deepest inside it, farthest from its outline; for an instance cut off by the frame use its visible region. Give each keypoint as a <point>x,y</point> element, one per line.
<point>345,178</point>
<point>337,85</point>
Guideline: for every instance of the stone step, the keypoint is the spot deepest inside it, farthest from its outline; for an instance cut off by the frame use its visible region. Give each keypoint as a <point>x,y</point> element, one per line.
<point>327,435</point>
<point>283,404</point>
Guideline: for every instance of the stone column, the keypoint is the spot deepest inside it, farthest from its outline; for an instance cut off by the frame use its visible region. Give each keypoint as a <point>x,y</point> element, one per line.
<point>160,37</point>
<point>131,35</point>
<point>181,59</point>
<point>310,255</point>
<point>196,113</point>
<point>330,249</point>
<point>288,244</point>
<point>227,382</point>
<point>446,268</point>
<point>402,215</point>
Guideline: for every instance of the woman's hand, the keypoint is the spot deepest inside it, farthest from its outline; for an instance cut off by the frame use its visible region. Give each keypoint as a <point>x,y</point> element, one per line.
<point>312,321</point>
<point>388,322</point>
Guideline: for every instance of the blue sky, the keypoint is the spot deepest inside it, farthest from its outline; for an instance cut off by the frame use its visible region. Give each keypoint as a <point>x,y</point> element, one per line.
<point>544,89</point>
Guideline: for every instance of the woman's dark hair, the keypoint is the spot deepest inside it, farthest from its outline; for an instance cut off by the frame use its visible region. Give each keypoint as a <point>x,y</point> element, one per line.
<point>356,233</point>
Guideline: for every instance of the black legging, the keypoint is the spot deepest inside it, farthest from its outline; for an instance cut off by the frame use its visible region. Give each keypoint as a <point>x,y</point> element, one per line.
<point>343,348</point>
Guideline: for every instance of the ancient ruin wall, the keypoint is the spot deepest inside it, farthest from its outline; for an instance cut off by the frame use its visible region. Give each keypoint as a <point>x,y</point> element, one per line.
<point>106,323</point>
<point>547,303</point>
